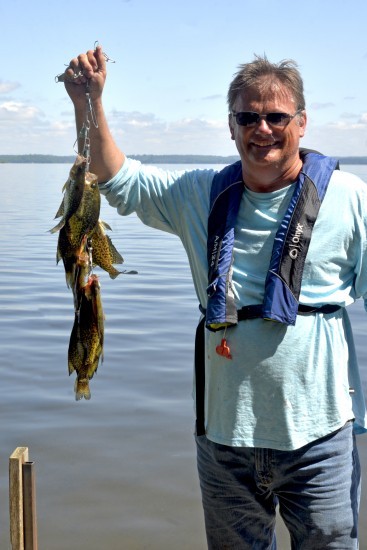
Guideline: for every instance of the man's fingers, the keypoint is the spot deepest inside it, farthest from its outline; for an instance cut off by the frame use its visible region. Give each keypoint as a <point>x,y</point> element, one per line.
<point>100,58</point>
<point>84,67</point>
<point>85,64</point>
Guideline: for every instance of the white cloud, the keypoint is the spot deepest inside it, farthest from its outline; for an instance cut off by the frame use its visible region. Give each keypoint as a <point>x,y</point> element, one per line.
<point>26,129</point>
<point>7,87</point>
<point>319,106</point>
<point>342,138</point>
<point>16,111</point>
<point>349,115</point>
<point>213,97</point>
<point>139,133</point>
<point>61,127</point>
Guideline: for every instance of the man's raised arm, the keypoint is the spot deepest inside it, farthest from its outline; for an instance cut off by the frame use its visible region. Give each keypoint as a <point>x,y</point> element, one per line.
<point>106,157</point>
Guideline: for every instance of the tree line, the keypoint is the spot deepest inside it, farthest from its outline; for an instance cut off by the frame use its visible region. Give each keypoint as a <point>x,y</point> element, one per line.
<point>148,159</point>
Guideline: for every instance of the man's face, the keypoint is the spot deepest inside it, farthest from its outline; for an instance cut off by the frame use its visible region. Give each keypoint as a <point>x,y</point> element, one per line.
<point>264,145</point>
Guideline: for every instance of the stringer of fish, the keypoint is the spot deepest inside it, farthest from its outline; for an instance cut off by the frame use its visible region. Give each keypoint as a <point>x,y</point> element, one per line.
<point>82,245</point>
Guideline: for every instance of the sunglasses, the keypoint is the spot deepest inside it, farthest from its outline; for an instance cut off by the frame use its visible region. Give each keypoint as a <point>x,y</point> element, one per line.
<point>250,118</point>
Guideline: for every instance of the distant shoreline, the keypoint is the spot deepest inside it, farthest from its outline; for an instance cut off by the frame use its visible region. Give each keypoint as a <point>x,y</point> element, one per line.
<point>148,159</point>
<point>145,159</point>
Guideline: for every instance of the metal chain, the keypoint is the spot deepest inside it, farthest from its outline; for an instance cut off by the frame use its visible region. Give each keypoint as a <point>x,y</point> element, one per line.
<point>85,130</point>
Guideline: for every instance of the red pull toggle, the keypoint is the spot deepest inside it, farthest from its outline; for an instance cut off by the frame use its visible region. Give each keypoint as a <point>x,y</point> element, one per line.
<point>224,349</point>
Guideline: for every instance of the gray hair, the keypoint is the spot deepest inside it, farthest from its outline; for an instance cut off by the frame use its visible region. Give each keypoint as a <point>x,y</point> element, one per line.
<point>286,72</point>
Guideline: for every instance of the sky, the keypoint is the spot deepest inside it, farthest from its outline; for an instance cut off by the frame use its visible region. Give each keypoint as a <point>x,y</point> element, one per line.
<point>174,60</point>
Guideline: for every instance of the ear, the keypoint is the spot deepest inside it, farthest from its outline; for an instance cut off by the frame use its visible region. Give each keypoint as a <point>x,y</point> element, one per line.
<point>231,125</point>
<point>302,124</point>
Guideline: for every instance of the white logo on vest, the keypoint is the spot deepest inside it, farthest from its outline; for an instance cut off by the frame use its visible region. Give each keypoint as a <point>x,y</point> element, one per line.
<point>295,246</point>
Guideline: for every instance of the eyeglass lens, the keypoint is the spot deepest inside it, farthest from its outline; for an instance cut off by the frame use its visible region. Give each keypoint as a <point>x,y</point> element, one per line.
<point>249,118</point>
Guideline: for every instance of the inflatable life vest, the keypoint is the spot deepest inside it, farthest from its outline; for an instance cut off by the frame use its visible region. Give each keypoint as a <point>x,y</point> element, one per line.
<point>284,277</point>
<point>283,281</point>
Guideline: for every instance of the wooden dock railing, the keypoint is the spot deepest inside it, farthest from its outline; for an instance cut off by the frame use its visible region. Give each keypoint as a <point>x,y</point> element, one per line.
<point>22,501</point>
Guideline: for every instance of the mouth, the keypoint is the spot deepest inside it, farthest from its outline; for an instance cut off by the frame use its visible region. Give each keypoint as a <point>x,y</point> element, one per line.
<point>264,144</point>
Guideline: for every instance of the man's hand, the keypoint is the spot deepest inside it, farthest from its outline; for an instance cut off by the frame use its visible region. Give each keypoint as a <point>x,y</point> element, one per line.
<point>89,67</point>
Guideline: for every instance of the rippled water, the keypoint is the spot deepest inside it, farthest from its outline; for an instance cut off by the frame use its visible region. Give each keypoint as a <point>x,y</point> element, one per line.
<point>117,472</point>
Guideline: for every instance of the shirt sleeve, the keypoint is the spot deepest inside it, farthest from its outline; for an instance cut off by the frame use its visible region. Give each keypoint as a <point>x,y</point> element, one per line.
<point>159,197</point>
<point>359,208</point>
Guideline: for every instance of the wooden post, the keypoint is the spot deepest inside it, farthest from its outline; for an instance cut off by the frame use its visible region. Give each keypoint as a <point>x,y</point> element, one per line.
<point>29,507</point>
<point>16,461</point>
<point>22,501</point>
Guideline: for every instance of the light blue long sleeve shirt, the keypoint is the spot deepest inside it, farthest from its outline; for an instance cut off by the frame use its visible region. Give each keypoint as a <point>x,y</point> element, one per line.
<point>284,386</point>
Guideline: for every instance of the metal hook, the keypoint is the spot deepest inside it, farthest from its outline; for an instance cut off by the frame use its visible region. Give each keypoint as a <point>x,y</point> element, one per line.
<point>63,78</point>
<point>107,58</point>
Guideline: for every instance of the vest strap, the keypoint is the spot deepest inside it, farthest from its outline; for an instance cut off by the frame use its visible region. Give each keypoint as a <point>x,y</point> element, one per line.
<point>284,277</point>
<point>200,377</point>
<point>256,311</point>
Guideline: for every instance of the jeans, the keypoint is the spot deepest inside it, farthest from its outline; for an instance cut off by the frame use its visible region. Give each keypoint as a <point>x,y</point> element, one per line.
<point>317,488</point>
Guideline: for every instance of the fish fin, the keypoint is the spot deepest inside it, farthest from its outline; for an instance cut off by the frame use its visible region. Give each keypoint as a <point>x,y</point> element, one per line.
<point>115,254</point>
<point>105,225</point>
<point>82,389</point>
<point>61,210</point>
<point>69,279</point>
<point>57,227</point>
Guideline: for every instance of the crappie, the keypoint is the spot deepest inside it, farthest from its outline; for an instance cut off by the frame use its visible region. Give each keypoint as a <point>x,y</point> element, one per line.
<point>80,213</point>
<point>73,191</point>
<point>81,271</point>
<point>104,253</point>
<point>86,340</point>
<point>83,244</point>
<point>84,219</point>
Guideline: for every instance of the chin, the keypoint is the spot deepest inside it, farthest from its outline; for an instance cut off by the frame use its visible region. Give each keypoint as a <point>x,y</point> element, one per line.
<point>267,156</point>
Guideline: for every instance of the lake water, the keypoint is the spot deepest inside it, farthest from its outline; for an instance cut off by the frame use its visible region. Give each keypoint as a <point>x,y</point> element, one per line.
<point>117,472</point>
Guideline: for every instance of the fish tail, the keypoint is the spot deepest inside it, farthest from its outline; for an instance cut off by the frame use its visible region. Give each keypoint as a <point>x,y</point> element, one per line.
<point>82,389</point>
<point>113,272</point>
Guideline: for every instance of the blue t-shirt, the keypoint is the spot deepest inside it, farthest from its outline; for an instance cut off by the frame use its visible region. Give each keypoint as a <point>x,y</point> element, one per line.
<point>285,386</point>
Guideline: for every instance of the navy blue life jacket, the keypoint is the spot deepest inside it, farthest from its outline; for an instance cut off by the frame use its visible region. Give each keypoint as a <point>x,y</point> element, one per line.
<point>284,277</point>
<point>283,281</point>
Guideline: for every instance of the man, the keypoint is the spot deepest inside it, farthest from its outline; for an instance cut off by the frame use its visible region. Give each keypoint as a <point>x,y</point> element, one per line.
<point>283,234</point>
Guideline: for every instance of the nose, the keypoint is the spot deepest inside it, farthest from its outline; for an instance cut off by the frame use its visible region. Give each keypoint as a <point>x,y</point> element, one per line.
<point>262,127</point>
